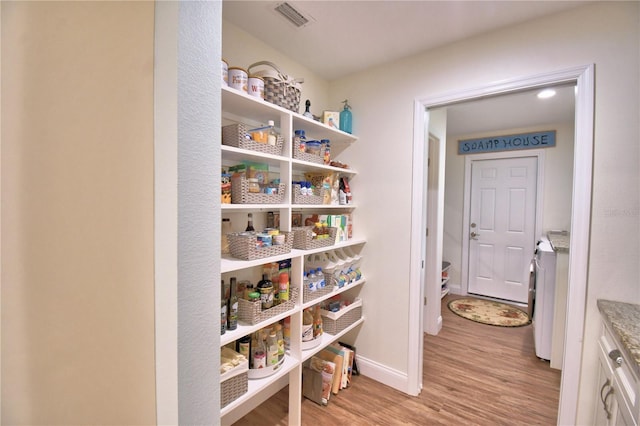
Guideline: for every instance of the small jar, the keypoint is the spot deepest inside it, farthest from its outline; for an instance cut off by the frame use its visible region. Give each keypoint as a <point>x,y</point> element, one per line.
<point>254,296</point>
<point>313,148</point>
<point>254,185</point>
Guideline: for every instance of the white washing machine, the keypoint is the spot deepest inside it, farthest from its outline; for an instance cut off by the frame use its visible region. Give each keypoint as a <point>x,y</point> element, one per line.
<point>542,290</point>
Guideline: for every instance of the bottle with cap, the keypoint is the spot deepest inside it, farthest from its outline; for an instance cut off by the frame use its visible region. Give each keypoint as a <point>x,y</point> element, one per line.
<point>307,326</point>
<point>265,287</point>
<point>317,322</point>
<point>300,141</point>
<point>272,136</point>
<point>280,338</point>
<point>283,287</point>
<point>250,227</point>
<point>272,348</point>
<point>345,117</point>
<point>223,308</point>
<point>326,150</point>
<point>232,316</point>
<point>258,351</point>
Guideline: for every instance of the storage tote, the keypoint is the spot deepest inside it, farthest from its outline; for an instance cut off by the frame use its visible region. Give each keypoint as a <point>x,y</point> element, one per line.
<point>335,322</point>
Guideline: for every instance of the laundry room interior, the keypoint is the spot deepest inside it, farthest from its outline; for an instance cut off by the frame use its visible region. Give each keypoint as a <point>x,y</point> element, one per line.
<point>514,114</point>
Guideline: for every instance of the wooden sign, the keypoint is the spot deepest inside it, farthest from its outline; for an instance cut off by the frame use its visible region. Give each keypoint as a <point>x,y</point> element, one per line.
<point>507,143</point>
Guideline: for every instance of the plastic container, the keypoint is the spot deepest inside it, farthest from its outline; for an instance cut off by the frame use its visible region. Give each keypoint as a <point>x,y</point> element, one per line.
<point>254,185</point>
<point>313,147</point>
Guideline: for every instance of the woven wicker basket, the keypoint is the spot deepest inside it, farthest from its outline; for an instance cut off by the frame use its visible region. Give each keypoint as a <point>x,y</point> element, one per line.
<point>279,88</point>
<point>252,313</point>
<point>235,135</point>
<point>302,238</point>
<point>233,384</point>
<point>305,156</point>
<point>316,198</point>
<point>240,193</point>
<point>243,245</point>
<point>335,322</point>
<point>308,295</point>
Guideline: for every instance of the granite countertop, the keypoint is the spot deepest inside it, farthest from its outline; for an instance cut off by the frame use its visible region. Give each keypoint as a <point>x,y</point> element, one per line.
<point>624,320</point>
<point>559,241</point>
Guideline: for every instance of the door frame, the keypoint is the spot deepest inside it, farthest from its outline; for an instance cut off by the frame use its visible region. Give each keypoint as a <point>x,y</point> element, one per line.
<point>466,210</point>
<point>584,79</point>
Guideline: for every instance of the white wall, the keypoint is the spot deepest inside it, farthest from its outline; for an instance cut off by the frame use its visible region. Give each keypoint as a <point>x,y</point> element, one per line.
<point>605,34</point>
<point>558,180</point>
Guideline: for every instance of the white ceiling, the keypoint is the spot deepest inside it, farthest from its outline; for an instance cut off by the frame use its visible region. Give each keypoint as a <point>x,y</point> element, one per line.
<point>345,37</point>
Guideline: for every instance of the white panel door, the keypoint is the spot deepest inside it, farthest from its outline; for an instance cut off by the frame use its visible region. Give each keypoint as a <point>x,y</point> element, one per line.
<point>502,227</point>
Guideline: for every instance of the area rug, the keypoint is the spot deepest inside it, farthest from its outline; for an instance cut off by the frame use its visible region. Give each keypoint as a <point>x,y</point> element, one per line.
<point>489,312</point>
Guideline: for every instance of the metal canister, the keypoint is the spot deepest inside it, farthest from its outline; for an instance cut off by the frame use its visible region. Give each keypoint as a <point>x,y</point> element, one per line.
<point>238,79</point>
<point>256,86</point>
<point>225,73</point>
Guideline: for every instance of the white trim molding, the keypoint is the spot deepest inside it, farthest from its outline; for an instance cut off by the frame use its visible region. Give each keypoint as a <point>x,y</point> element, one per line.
<point>583,78</point>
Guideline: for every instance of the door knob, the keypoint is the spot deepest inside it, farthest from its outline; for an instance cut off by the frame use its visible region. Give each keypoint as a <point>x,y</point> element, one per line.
<point>474,235</point>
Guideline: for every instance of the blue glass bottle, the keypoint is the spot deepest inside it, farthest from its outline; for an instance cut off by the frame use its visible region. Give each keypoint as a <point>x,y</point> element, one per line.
<point>345,117</point>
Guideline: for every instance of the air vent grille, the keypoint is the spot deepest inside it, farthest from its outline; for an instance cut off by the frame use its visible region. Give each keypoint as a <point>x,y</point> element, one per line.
<point>295,17</point>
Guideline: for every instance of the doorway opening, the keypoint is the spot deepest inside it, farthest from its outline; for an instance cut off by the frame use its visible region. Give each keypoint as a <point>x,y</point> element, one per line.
<point>429,283</point>
<point>501,221</point>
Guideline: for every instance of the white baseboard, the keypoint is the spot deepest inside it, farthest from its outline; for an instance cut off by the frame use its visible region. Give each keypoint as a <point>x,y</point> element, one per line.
<point>456,289</point>
<point>383,374</point>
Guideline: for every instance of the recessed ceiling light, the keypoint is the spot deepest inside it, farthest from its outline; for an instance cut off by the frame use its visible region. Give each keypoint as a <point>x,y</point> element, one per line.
<point>546,93</point>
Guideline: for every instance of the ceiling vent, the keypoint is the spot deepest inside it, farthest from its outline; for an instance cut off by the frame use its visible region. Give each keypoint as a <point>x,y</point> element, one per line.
<point>292,15</point>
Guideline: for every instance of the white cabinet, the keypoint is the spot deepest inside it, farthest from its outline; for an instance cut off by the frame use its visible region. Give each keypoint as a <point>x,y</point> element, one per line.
<point>240,108</point>
<point>617,398</point>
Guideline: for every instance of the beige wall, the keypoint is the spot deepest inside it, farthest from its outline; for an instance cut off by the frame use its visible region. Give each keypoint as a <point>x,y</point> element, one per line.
<point>77,213</point>
<point>606,34</point>
<point>240,49</point>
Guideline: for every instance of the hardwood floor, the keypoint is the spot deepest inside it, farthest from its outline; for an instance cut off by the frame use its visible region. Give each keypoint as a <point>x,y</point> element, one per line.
<point>474,374</point>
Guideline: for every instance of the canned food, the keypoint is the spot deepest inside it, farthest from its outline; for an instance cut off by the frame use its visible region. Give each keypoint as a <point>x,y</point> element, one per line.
<point>238,79</point>
<point>278,240</point>
<point>256,86</point>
